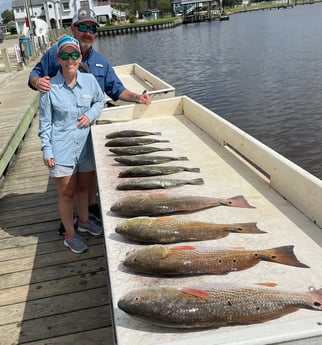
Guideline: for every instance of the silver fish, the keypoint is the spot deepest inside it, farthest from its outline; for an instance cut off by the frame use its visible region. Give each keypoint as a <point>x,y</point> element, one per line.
<point>155,183</point>
<point>130,133</point>
<point>137,150</point>
<point>155,170</point>
<point>133,141</point>
<point>147,159</point>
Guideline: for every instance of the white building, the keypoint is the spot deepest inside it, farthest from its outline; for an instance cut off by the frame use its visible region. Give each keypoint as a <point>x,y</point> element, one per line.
<point>56,13</point>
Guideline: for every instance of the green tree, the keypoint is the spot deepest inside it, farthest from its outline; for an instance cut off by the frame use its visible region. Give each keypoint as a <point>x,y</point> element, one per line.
<point>7,16</point>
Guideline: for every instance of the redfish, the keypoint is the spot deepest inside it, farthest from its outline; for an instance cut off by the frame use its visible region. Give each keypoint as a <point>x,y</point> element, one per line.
<point>171,230</point>
<point>215,305</point>
<point>130,133</point>
<point>133,141</point>
<point>155,170</point>
<point>160,203</point>
<point>155,183</point>
<point>180,260</point>
<point>137,150</point>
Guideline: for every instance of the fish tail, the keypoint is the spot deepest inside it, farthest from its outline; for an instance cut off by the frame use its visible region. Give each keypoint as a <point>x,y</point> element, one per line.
<point>247,228</point>
<point>156,133</point>
<point>166,149</point>
<point>283,255</point>
<point>180,159</point>
<point>163,141</point>
<point>192,169</point>
<point>196,181</point>
<point>237,201</point>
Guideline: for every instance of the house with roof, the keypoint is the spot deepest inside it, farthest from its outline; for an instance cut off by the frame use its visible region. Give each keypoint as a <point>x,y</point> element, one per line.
<point>56,13</point>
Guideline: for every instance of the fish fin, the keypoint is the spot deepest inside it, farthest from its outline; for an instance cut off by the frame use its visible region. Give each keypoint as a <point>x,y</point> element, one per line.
<point>196,292</point>
<point>237,201</point>
<point>268,284</point>
<point>180,159</point>
<point>183,248</point>
<point>166,218</point>
<point>283,255</point>
<point>246,228</point>
<point>192,169</point>
<point>197,181</point>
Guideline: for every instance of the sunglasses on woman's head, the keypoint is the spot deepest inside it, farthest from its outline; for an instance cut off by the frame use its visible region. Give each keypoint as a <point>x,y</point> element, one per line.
<point>83,28</point>
<point>73,55</point>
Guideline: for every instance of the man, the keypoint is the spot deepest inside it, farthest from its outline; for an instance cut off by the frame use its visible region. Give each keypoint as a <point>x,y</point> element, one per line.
<point>84,27</point>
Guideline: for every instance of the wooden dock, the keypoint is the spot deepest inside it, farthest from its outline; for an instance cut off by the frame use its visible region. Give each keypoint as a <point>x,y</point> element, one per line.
<point>48,295</point>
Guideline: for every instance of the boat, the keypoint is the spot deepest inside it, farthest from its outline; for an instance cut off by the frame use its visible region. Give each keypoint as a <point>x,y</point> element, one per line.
<point>287,201</point>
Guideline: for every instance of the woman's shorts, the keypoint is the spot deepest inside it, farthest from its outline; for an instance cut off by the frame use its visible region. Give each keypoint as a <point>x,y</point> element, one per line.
<point>63,170</point>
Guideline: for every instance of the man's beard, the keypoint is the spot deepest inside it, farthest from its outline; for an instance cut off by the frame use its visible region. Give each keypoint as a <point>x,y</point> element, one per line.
<point>85,46</point>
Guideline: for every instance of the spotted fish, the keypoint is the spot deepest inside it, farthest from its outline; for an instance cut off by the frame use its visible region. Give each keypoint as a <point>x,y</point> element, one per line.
<point>147,159</point>
<point>181,260</point>
<point>154,183</point>
<point>137,150</point>
<point>171,230</point>
<point>133,141</point>
<point>130,133</point>
<point>215,305</point>
<point>160,203</point>
<point>155,170</point>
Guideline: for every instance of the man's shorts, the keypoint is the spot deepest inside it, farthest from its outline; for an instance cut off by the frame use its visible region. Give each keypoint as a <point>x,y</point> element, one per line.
<point>63,170</point>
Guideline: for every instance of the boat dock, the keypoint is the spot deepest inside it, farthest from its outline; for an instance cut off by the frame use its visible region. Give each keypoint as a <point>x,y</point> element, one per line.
<point>48,295</point>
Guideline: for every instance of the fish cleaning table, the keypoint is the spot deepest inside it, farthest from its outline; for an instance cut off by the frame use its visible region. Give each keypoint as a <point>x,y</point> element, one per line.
<point>211,143</point>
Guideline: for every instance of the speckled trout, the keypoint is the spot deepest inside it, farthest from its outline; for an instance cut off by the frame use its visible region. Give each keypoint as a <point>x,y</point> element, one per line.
<point>215,305</point>
<point>129,133</point>
<point>161,203</point>
<point>147,159</point>
<point>155,183</point>
<point>155,170</point>
<point>133,141</point>
<point>171,230</point>
<point>137,150</point>
<point>181,260</point>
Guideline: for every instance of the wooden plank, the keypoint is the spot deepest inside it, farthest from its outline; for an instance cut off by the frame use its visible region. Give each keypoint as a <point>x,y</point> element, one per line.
<point>51,326</point>
<point>53,305</point>
<point>39,275</point>
<point>41,249</point>
<point>56,287</point>
<point>102,336</point>
<point>41,261</point>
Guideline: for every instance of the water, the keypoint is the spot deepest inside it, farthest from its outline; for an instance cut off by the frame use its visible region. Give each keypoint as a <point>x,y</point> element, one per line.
<point>261,71</point>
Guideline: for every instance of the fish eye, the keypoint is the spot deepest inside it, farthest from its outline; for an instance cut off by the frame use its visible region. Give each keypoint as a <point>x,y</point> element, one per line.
<point>317,304</point>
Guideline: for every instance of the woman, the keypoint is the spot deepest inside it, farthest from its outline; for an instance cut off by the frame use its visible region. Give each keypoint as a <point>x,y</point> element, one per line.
<point>65,115</point>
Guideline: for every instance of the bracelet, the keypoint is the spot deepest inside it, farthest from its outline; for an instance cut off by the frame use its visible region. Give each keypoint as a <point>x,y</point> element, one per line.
<point>137,98</point>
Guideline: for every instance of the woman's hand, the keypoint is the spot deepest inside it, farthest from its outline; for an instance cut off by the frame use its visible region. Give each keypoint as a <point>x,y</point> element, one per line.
<point>83,121</point>
<point>49,162</point>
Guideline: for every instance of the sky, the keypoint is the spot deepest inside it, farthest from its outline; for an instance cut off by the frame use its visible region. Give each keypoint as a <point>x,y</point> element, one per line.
<point>5,5</point>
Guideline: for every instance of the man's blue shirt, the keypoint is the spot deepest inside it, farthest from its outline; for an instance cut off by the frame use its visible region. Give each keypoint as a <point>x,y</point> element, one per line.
<point>94,62</point>
<point>59,110</point>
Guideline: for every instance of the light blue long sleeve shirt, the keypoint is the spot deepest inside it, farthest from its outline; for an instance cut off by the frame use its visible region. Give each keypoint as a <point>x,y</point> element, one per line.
<point>59,109</point>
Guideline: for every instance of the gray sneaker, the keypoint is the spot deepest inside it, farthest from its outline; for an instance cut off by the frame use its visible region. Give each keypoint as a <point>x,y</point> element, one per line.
<point>75,244</point>
<point>91,227</point>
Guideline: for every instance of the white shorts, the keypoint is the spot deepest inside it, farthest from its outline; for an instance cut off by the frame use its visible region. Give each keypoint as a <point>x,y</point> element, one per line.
<point>63,170</point>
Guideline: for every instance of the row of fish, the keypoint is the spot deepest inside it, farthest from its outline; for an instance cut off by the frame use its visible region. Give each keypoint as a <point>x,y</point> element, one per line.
<point>190,306</point>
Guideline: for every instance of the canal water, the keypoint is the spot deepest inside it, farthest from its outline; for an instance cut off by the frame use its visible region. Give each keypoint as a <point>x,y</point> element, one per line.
<point>262,71</point>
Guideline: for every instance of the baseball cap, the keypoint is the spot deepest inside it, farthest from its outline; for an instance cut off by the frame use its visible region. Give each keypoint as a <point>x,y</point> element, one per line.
<point>84,15</point>
<point>68,41</point>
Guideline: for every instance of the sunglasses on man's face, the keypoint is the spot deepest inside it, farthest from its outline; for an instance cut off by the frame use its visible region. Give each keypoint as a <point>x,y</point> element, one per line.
<point>73,55</point>
<point>83,28</point>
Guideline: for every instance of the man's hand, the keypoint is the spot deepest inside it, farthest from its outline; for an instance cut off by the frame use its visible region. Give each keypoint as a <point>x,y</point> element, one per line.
<point>43,84</point>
